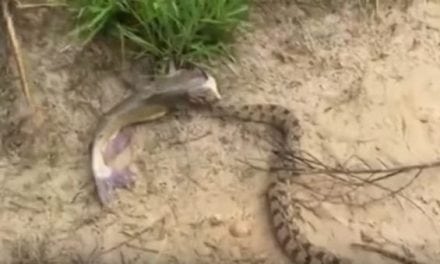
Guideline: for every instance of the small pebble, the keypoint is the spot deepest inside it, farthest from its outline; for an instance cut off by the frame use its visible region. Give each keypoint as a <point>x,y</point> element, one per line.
<point>240,229</point>
<point>215,220</point>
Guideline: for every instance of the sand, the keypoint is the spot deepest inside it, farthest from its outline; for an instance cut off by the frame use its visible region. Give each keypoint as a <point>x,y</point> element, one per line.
<point>365,89</point>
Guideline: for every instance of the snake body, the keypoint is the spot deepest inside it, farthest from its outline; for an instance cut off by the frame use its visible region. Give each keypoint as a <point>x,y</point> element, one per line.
<point>294,244</point>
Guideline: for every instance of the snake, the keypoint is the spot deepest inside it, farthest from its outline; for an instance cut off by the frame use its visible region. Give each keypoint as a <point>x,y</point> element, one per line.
<point>164,95</point>
<point>287,233</point>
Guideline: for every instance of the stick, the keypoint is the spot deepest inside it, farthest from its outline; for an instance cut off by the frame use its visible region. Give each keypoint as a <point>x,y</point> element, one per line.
<point>134,237</point>
<point>27,6</point>
<point>386,253</point>
<point>17,53</point>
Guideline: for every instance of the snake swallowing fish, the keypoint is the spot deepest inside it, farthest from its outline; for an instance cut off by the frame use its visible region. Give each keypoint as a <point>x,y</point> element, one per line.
<point>199,88</point>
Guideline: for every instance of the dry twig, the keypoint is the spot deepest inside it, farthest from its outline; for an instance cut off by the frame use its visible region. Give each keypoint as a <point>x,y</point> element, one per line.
<point>17,53</point>
<point>309,164</point>
<point>386,253</point>
<point>314,163</point>
<point>38,5</point>
<point>132,238</point>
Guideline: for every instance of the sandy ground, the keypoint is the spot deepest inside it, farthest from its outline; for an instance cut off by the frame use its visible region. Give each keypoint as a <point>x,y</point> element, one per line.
<point>366,90</point>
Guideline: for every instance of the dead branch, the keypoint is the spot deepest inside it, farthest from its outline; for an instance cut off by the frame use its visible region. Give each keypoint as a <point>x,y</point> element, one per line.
<point>315,166</point>
<point>309,164</point>
<point>17,53</point>
<point>325,169</point>
<point>362,182</point>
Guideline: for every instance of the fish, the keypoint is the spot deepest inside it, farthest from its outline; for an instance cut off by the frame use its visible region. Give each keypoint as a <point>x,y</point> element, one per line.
<point>185,86</point>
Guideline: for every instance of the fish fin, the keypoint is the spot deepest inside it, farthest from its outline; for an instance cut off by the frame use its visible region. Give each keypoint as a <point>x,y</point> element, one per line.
<point>123,178</point>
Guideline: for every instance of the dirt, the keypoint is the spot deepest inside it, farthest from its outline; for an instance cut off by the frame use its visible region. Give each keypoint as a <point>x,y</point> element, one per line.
<point>365,88</point>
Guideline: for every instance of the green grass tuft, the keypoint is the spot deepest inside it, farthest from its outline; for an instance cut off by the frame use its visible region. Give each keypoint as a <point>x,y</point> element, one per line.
<point>182,31</point>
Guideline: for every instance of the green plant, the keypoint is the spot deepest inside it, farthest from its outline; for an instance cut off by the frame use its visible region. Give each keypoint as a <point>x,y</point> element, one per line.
<point>169,30</point>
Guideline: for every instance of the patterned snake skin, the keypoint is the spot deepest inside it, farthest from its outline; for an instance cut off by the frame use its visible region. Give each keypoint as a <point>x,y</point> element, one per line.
<point>287,233</point>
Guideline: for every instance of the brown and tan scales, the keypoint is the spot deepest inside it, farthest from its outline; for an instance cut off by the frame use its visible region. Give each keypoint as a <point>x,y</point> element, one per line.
<point>293,243</point>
